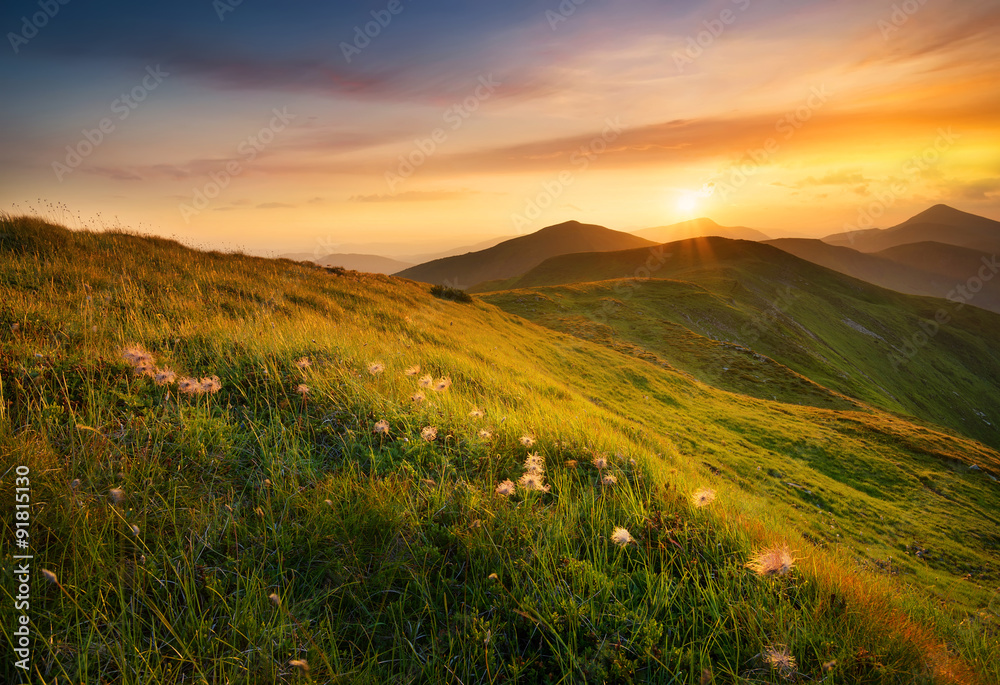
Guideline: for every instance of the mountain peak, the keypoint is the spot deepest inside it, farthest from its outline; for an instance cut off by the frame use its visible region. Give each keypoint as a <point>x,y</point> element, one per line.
<point>946,215</point>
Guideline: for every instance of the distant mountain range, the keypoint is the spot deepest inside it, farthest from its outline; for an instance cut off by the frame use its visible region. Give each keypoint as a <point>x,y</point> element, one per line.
<point>516,256</point>
<point>927,268</point>
<point>940,223</point>
<point>697,228</point>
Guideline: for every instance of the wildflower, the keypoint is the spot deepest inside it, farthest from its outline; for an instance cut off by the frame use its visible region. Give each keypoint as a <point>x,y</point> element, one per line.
<point>429,433</point>
<point>571,463</point>
<point>535,463</point>
<point>135,530</point>
<point>211,385</point>
<point>189,386</point>
<point>164,376</point>
<point>382,427</point>
<point>275,600</point>
<point>267,483</point>
<point>426,381</point>
<point>781,660</point>
<point>527,440</point>
<point>418,397</point>
<point>49,576</point>
<point>533,481</point>
<point>302,389</point>
<point>476,414</point>
<point>303,363</point>
<point>621,537</point>
<point>75,483</point>
<point>506,488</point>
<point>493,576</point>
<point>632,462</point>
<point>116,495</point>
<point>609,479</point>
<point>600,463</point>
<point>413,370</point>
<point>775,561</point>
<point>138,358</point>
<point>829,665</point>
<point>485,434</point>
<point>376,368</point>
<point>299,663</point>
<point>703,497</point>
<point>442,384</point>
<point>328,503</point>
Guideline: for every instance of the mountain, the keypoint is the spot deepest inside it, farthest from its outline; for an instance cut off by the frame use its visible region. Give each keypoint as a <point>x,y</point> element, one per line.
<point>363,262</point>
<point>515,256</point>
<point>698,228</point>
<point>744,298</point>
<point>940,223</point>
<point>293,500</point>
<point>422,257</point>
<point>368,263</point>
<point>928,268</point>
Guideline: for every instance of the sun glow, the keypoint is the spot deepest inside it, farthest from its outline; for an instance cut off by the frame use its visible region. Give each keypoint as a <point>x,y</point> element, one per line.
<point>687,203</point>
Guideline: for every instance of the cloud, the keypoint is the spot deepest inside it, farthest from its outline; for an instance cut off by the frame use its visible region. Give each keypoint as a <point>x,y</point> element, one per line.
<point>275,205</point>
<point>981,189</point>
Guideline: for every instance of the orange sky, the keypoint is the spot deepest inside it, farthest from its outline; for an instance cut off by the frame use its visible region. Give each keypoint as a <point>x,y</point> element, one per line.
<point>803,118</point>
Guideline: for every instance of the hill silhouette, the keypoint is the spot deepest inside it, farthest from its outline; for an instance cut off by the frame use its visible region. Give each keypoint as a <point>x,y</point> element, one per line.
<point>517,255</point>
<point>939,223</point>
<point>698,228</point>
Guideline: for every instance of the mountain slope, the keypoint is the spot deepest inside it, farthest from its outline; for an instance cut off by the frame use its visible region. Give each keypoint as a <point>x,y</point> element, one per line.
<point>929,268</point>
<point>367,263</point>
<point>306,508</point>
<point>698,228</point>
<point>940,223</point>
<point>851,337</point>
<point>515,256</point>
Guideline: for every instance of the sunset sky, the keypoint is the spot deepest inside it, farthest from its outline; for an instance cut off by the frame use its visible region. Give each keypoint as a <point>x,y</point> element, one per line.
<point>278,127</point>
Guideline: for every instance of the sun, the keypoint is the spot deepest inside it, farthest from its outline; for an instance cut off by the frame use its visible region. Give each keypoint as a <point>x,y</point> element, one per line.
<point>687,203</point>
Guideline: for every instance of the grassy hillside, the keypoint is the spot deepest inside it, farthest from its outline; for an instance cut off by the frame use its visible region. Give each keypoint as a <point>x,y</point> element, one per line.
<point>846,335</point>
<point>517,255</point>
<point>293,498</point>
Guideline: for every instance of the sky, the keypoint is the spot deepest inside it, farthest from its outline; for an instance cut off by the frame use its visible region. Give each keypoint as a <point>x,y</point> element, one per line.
<point>398,126</point>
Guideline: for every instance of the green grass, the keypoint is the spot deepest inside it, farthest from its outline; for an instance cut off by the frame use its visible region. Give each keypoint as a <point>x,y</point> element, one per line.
<point>750,318</point>
<point>391,556</point>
